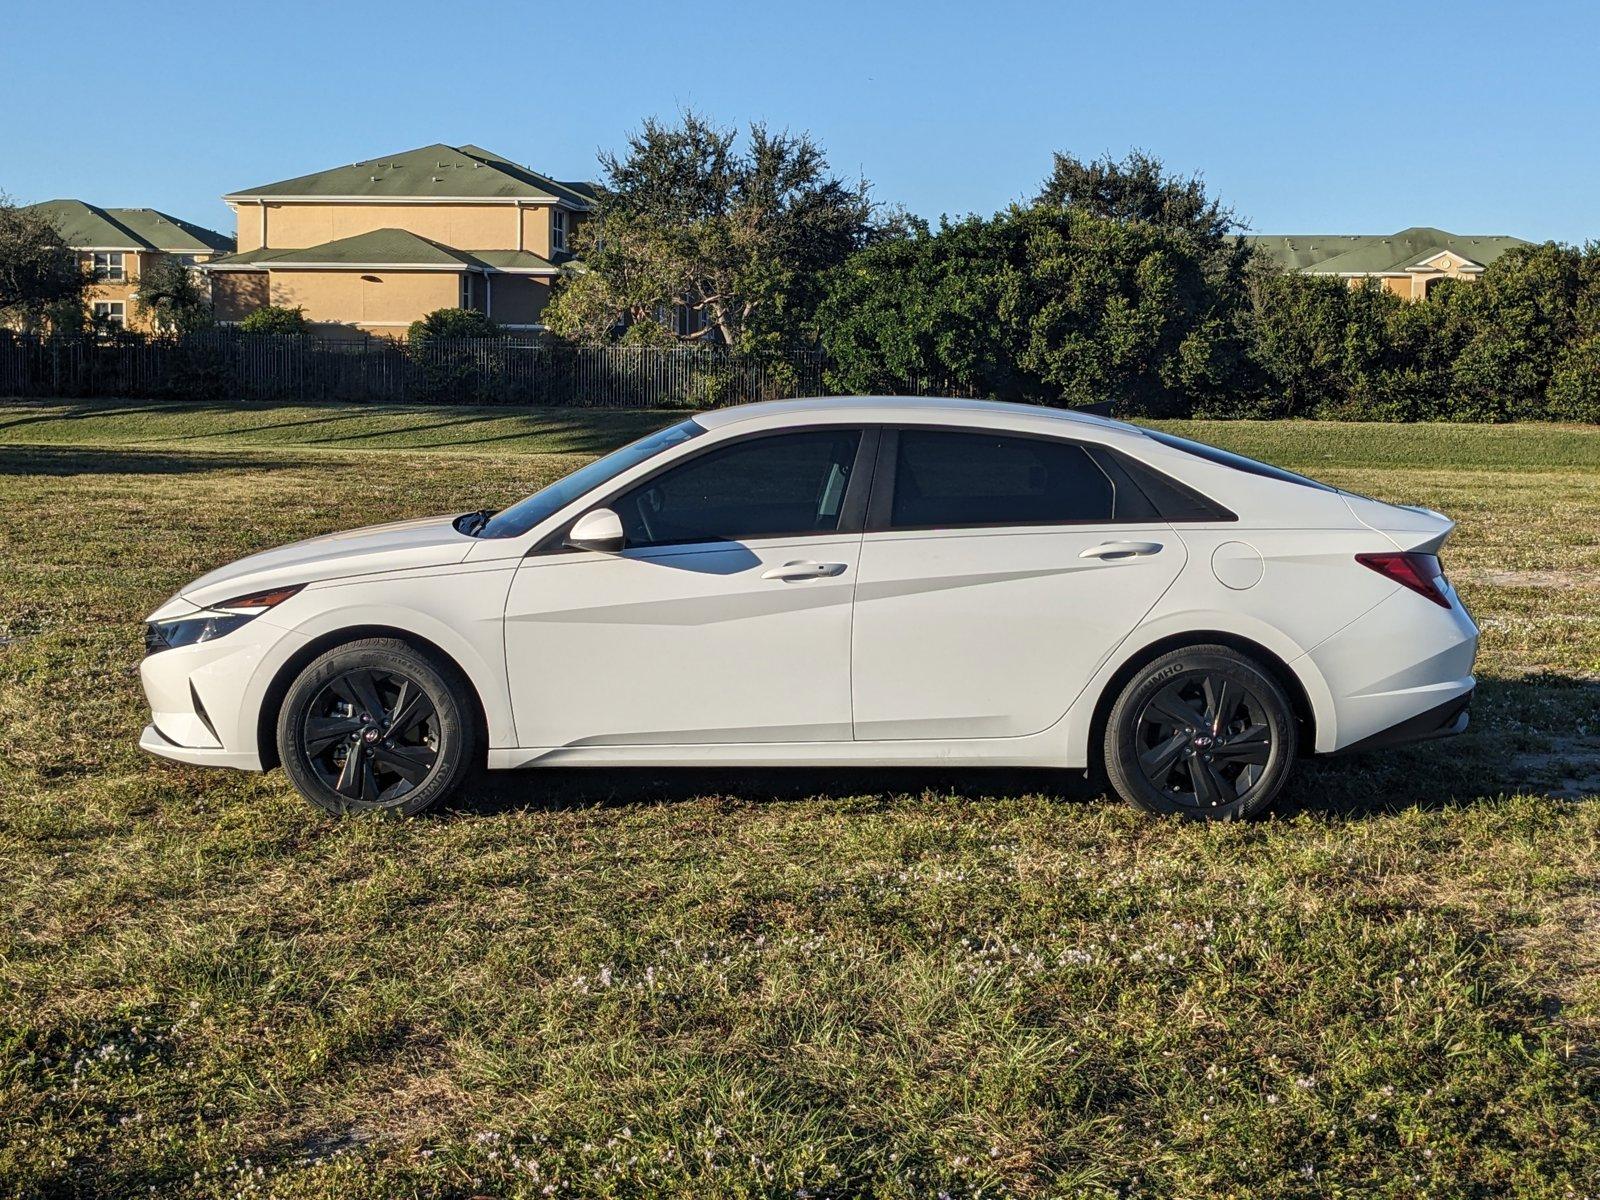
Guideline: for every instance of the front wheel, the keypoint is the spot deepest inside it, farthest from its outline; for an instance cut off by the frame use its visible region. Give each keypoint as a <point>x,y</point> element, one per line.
<point>376,726</point>
<point>1203,732</point>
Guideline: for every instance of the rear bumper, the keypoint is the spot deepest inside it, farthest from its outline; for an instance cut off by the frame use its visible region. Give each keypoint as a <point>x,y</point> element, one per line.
<point>1446,720</point>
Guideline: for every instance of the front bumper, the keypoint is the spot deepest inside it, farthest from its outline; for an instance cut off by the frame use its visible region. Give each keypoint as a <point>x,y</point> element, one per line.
<point>153,741</point>
<point>205,698</point>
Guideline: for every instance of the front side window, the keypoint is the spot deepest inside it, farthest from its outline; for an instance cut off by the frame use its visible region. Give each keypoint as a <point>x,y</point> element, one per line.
<point>110,312</point>
<point>792,483</point>
<point>945,480</point>
<point>108,264</point>
<point>545,503</point>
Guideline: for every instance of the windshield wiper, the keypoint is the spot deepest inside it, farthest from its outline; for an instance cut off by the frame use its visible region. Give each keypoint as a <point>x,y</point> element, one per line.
<point>473,522</point>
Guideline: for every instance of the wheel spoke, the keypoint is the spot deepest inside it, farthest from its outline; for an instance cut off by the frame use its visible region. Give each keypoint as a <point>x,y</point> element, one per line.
<point>1223,696</point>
<point>322,732</point>
<point>1205,781</point>
<point>369,780</point>
<point>412,763</point>
<point>365,689</point>
<point>412,707</point>
<point>352,777</point>
<point>1252,745</point>
<point>1174,709</point>
<point>1158,761</point>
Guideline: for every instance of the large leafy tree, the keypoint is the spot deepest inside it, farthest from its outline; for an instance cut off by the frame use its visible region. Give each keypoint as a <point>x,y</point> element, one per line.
<point>1049,304</point>
<point>39,274</point>
<point>739,232</point>
<point>171,295</point>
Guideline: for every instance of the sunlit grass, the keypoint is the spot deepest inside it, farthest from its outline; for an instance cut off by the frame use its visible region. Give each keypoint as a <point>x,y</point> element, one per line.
<point>753,983</point>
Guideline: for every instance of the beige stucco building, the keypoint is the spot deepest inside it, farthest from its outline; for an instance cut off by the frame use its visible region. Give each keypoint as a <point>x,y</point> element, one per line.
<point>118,245</point>
<point>1407,263</point>
<point>370,247</point>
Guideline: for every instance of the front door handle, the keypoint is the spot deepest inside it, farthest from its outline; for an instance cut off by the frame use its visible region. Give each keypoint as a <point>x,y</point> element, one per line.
<point>804,570</point>
<point>1115,550</point>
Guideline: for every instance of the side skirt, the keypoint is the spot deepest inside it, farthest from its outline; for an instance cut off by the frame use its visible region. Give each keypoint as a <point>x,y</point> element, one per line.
<point>1037,750</point>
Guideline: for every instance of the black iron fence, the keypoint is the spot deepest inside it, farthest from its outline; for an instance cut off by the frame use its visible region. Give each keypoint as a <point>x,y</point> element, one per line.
<point>224,365</point>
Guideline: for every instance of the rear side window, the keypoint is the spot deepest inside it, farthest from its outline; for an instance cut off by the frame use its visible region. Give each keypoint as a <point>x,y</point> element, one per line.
<point>944,479</point>
<point>1238,462</point>
<point>767,487</point>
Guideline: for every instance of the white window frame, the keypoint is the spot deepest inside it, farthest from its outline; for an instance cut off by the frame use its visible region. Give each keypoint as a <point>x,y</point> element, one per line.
<point>558,230</point>
<point>113,312</point>
<point>115,268</point>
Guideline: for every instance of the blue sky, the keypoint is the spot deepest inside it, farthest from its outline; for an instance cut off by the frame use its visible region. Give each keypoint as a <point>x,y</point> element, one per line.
<point>1336,117</point>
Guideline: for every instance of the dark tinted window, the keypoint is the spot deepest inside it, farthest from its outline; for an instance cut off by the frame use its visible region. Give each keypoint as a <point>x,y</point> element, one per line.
<point>948,479</point>
<point>1238,462</point>
<point>789,483</point>
<point>525,514</point>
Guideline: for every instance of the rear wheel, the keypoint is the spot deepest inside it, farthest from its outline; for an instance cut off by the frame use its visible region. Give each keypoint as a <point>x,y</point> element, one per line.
<point>1203,732</point>
<point>376,725</point>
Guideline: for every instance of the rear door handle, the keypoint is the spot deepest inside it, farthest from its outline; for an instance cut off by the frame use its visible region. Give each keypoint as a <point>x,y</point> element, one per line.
<point>1115,550</point>
<point>804,570</point>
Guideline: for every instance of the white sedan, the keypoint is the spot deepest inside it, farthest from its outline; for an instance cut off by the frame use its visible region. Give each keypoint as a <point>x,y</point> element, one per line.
<point>869,581</point>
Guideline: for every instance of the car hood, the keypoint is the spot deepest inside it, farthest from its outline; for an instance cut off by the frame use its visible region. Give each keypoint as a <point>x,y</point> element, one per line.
<point>398,546</point>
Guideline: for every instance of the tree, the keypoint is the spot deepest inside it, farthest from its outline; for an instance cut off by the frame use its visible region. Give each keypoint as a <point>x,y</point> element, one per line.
<point>1048,304</point>
<point>451,323</point>
<point>172,297</point>
<point>39,273</point>
<point>1138,188</point>
<point>270,318</point>
<point>739,235</point>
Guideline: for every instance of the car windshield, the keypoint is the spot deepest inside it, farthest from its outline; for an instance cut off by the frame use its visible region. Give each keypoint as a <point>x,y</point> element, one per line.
<point>1238,462</point>
<point>525,514</point>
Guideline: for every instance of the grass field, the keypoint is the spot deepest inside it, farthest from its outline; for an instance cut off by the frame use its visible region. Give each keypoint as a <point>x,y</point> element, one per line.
<point>817,983</point>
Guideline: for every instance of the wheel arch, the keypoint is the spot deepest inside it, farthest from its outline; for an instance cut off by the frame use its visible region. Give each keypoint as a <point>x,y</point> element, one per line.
<point>289,671</point>
<point>1293,685</point>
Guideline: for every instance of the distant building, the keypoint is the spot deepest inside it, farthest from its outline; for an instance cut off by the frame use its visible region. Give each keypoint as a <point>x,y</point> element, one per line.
<point>117,245</point>
<point>372,246</point>
<point>1407,263</point>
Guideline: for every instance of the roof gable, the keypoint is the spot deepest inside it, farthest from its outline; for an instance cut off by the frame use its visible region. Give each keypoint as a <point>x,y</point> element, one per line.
<point>388,248</point>
<point>1396,253</point>
<point>88,227</point>
<point>428,172</point>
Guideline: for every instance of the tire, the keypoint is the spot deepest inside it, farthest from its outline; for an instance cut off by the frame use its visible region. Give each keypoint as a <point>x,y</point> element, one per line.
<point>1170,751</point>
<point>406,716</point>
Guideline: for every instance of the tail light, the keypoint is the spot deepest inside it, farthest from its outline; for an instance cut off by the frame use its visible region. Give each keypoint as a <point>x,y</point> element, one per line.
<point>1419,572</point>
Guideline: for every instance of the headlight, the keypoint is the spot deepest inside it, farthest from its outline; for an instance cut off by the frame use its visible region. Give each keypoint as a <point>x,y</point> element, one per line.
<point>212,623</point>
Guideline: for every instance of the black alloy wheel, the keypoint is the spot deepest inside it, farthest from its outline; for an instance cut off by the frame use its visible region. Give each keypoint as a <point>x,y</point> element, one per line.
<point>377,725</point>
<point>371,735</point>
<point>1202,732</point>
<point>1203,739</point>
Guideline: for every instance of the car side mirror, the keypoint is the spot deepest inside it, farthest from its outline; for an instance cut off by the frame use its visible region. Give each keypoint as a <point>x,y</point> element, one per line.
<point>600,530</point>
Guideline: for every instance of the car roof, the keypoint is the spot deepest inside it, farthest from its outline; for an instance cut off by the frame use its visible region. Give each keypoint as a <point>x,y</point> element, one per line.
<point>982,414</point>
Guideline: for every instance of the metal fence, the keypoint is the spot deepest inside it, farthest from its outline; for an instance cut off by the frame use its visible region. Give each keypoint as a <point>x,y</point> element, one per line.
<point>224,365</point>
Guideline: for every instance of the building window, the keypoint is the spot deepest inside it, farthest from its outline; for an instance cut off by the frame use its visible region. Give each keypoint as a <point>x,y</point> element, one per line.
<point>558,230</point>
<point>110,312</point>
<point>108,265</point>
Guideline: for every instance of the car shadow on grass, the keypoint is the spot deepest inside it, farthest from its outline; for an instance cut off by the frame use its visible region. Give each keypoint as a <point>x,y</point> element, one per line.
<point>1529,736</point>
<point>559,788</point>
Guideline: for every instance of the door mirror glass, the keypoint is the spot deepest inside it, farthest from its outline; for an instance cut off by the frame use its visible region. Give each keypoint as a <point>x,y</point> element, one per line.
<point>598,530</point>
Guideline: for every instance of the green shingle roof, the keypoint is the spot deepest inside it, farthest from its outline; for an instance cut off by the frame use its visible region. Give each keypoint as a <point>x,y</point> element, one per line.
<point>470,172</point>
<point>90,227</point>
<point>1335,254</point>
<point>388,248</point>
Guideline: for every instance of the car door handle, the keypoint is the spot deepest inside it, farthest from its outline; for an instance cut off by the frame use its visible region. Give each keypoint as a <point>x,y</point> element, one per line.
<point>1115,550</point>
<point>804,570</point>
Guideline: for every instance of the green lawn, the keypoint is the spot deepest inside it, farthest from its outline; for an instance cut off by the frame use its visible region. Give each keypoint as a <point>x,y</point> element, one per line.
<point>637,983</point>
